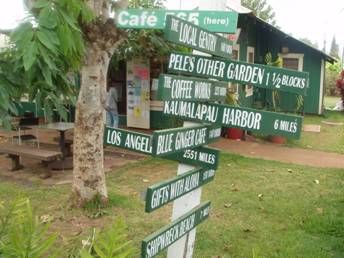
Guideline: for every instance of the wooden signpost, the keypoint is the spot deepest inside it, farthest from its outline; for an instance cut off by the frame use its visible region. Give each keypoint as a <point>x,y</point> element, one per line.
<point>187,34</point>
<point>262,76</point>
<point>215,21</point>
<point>190,98</point>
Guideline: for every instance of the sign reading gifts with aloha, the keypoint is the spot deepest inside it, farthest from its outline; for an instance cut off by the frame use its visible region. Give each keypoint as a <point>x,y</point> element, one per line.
<point>261,76</point>
<point>187,34</point>
<point>215,21</point>
<point>172,87</point>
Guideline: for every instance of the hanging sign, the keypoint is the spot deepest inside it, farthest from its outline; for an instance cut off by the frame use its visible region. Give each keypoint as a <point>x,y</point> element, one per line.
<point>204,157</point>
<point>263,76</point>
<point>172,87</point>
<point>129,140</point>
<point>215,21</point>
<point>160,194</point>
<point>189,35</point>
<point>178,139</point>
<point>265,122</point>
<point>165,237</point>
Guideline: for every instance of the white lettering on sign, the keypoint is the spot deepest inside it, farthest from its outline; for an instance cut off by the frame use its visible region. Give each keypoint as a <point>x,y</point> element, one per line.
<point>202,90</point>
<point>181,89</point>
<point>207,41</point>
<point>182,63</point>
<point>188,34</point>
<point>138,142</point>
<point>114,138</point>
<point>189,109</point>
<point>286,126</point>
<point>190,138</point>
<point>294,82</point>
<point>210,67</point>
<point>184,185</point>
<point>245,73</point>
<point>208,174</point>
<point>164,144</point>
<point>160,196</point>
<point>170,236</point>
<point>190,17</point>
<point>207,157</point>
<point>241,118</point>
<point>226,48</point>
<point>124,18</point>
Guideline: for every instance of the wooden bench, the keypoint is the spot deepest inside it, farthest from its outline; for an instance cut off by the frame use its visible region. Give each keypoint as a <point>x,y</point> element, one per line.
<point>16,151</point>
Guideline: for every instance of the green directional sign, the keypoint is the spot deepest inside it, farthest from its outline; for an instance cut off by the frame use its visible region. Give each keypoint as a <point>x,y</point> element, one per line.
<point>263,76</point>
<point>172,87</point>
<point>190,35</point>
<point>160,194</point>
<point>201,156</point>
<point>173,140</point>
<point>215,21</point>
<point>129,140</point>
<point>166,236</point>
<point>264,122</point>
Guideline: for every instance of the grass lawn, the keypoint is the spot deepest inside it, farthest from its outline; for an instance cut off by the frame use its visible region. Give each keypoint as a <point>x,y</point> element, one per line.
<point>267,208</point>
<point>330,139</point>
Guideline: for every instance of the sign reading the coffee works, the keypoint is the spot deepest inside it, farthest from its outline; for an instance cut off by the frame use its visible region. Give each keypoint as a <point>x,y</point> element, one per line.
<point>165,237</point>
<point>263,76</point>
<point>172,87</point>
<point>160,194</point>
<point>215,21</point>
<point>204,157</point>
<point>189,35</point>
<point>265,122</point>
<point>177,139</point>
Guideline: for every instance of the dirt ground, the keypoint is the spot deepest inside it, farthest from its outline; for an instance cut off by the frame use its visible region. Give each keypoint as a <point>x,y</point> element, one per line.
<point>34,172</point>
<point>270,151</point>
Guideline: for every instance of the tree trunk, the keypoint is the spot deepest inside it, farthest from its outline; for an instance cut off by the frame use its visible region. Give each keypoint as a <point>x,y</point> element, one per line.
<point>89,177</point>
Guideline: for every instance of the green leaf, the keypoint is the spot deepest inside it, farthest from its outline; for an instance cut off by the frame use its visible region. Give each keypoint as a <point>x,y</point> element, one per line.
<point>29,56</point>
<point>40,4</point>
<point>48,18</point>
<point>45,40</point>
<point>47,75</point>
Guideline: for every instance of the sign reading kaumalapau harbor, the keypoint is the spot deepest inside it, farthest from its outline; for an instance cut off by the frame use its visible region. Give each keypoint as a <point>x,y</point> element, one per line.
<point>165,237</point>
<point>263,76</point>
<point>189,35</point>
<point>172,87</point>
<point>215,21</point>
<point>265,122</point>
<point>160,194</point>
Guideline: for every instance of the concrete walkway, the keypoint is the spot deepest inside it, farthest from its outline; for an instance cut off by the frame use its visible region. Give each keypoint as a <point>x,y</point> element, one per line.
<point>269,151</point>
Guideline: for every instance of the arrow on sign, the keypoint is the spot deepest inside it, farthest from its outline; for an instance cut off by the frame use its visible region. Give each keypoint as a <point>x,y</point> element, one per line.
<point>261,76</point>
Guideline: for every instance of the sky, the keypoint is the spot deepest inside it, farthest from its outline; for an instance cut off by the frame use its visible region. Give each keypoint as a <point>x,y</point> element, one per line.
<point>316,20</point>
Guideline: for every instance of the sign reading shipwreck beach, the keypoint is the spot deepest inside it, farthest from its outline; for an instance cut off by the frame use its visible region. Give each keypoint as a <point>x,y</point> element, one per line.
<point>187,34</point>
<point>160,194</point>
<point>215,21</point>
<point>165,237</point>
<point>172,87</point>
<point>177,139</point>
<point>262,76</point>
<point>265,122</point>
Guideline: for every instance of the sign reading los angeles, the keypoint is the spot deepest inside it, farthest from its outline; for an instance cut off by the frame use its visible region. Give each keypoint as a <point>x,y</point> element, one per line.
<point>187,34</point>
<point>265,122</point>
<point>160,194</point>
<point>215,21</point>
<point>262,76</point>
<point>173,140</point>
<point>172,87</point>
<point>165,237</point>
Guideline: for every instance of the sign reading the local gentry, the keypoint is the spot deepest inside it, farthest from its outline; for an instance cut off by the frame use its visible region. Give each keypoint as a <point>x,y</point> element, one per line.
<point>177,139</point>
<point>262,76</point>
<point>172,87</point>
<point>264,122</point>
<point>187,34</point>
<point>160,194</point>
<point>201,156</point>
<point>129,140</point>
<point>165,237</point>
<point>214,21</point>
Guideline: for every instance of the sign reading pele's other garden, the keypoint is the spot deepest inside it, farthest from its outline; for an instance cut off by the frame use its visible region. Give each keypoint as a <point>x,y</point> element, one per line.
<point>187,34</point>
<point>160,194</point>
<point>215,21</point>
<point>177,139</point>
<point>265,122</point>
<point>172,87</point>
<point>204,157</point>
<point>165,237</point>
<point>262,76</point>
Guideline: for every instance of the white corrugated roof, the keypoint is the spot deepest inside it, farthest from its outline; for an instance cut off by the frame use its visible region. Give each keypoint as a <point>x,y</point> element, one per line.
<point>234,5</point>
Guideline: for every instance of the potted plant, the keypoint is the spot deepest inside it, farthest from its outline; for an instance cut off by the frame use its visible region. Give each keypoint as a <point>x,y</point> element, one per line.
<point>231,132</point>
